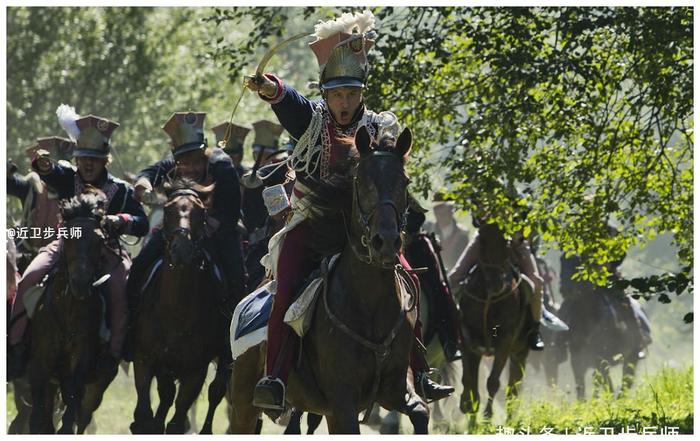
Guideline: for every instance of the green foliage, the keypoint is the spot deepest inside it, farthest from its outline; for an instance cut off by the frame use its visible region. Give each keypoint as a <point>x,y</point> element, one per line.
<point>588,112</point>
<point>134,65</point>
<point>664,399</point>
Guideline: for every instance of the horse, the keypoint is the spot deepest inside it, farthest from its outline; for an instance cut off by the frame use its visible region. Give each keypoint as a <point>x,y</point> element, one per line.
<point>65,329</point>
<point>181,323</point>
<point>597,339</point>
<point>494,313</point>
<point>345,365</point>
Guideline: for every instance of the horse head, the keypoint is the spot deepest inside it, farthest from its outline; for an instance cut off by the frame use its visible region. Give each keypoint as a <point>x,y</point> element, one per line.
<point>184,219</point>
<point>81,252</point>
<point>380,196</point>
<point>494,261</point>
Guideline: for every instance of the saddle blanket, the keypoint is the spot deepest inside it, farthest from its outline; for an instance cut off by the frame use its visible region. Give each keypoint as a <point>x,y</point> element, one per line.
<point>249,321</point>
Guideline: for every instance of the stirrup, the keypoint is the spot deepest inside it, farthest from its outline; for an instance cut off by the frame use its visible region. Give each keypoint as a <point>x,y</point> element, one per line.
<point>266,394</point>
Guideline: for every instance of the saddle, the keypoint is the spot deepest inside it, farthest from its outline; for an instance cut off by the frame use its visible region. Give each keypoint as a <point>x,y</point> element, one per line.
<point>249,322</point>
<point>154,270</point>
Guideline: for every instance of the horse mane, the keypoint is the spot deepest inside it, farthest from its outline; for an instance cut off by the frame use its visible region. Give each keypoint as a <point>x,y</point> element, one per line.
<point>179,183</point>
<point>90,204</point>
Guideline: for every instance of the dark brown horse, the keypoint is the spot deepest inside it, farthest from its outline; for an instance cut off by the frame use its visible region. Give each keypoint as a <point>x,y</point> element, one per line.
<point>181,324</point>
<point>65,328</point>
<point>357,349</point>
<point>493,315</point>
<point>598,340</point>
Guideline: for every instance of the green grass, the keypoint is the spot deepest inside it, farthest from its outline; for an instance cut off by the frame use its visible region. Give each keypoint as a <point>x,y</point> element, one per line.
<point>662,399</point>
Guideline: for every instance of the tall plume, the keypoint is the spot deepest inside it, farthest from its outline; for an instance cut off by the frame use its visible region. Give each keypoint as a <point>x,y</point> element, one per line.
<point>67,119</point>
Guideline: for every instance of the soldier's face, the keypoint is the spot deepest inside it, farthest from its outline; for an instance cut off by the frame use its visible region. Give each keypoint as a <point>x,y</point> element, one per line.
<point>343,103</point>
<point>443,214</point>
<point>192,165</point>
<point>90,168</point>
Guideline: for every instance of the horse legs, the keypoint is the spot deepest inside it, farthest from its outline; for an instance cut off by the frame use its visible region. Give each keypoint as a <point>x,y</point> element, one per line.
<point>93,397</point>
<point>493,383</point>
<point>578,366</point>
<point>469,403</point>
<point>166,396</point>
<point>217,390</point>
<point>312,421</point>
<point>601,377</point>
<point>405,400</point>
<point>22,399</point>
<point>629,367</point>
<point>72,392</point>
<point>143,414</point>
<point>190,386</point>
<point>515,376</point>
<point>41,418</point>
<point>343,421</point>
<point>247,370</point>
<point>294,425</point>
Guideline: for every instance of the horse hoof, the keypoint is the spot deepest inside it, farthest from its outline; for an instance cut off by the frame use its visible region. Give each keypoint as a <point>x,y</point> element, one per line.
<point>175,429</point>
<point>206,430</point>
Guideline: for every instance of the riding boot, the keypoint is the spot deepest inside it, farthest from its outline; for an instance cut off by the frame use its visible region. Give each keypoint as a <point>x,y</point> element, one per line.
<point>534,338</point>
<point>426,388</point>
<point>270,390</point>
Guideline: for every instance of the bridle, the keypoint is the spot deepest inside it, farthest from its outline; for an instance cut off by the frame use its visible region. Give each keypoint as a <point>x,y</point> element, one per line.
<point>365,218</point>
<point>182,231</point>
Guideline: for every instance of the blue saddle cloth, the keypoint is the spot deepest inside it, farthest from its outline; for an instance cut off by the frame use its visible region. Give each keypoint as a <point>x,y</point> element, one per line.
<point>254,311</point>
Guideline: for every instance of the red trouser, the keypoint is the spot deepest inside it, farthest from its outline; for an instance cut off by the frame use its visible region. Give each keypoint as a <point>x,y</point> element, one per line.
<point>294,265</point>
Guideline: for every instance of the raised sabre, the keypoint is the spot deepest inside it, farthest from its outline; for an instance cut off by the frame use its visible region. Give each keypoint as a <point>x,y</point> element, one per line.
<point>266,58</point>
<point>258,72</point>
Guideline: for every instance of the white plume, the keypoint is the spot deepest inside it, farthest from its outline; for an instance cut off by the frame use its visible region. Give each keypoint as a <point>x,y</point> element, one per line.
<point>66,118</point>
<point>363,21</point>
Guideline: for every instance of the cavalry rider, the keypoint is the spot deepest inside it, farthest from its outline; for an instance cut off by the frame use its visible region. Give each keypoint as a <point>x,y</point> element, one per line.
<point>421,253</point>
<point>453,239</point>
<point>522,257</point>
<point>234,144</point>
<point>266,151</point>
<point>40,202</point>
<point>341,55</point>
<point>191,158</point>
<point>124,215</point>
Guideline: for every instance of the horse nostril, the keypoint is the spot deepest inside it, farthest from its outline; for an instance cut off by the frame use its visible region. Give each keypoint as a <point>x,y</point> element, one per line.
<point>377,242</point>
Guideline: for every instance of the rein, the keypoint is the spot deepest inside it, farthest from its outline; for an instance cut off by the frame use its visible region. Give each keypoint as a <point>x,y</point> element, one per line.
<point>174,196</point>
<point>380,350</point>
<point>491,300</point>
